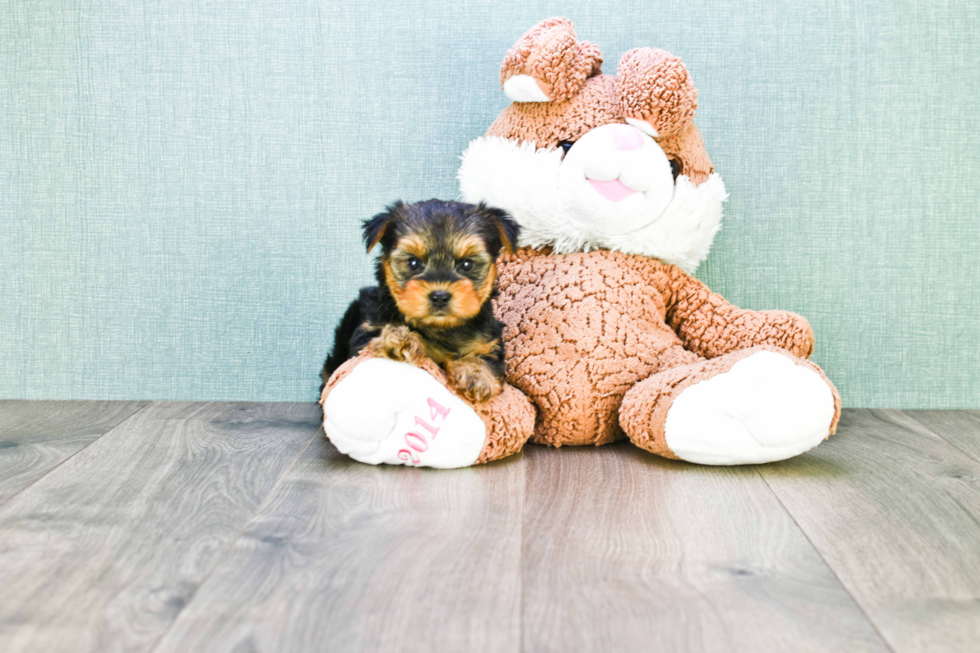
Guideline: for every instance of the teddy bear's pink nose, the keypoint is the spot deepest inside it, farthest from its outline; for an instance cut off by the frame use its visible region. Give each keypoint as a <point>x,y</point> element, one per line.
<point>626,137</point>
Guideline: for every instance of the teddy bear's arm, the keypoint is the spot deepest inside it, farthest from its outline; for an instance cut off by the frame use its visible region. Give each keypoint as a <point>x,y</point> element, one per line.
<point>711,327</point>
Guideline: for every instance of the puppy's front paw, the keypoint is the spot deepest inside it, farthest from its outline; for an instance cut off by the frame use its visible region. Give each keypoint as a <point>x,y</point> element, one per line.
<point>398,343</point>
<point>473,379</point>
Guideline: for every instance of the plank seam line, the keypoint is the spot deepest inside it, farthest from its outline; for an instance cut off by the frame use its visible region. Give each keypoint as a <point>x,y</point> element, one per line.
<point>520,567</point>
<point>139,410</point>
<point>816,550</point>
<point>940,436</point>
<point>231,543</point>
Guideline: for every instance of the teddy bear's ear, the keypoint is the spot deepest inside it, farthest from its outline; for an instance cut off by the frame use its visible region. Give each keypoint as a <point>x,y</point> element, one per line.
<point>656,92</point>
<point>549,63</point>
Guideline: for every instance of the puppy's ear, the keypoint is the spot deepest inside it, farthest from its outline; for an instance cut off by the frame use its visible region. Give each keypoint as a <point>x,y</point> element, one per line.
<point>508,230</point>
<point>376,228</point>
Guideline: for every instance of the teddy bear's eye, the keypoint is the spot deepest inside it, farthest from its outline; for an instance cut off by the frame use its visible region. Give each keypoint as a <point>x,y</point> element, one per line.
<point>676,168</point>
<point>565,146</point>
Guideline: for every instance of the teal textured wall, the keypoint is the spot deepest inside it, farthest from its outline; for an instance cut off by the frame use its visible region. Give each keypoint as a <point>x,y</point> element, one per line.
<point>181,182</point>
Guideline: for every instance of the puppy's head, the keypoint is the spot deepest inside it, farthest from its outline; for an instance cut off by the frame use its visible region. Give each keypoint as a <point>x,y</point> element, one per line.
<point>438,258</point>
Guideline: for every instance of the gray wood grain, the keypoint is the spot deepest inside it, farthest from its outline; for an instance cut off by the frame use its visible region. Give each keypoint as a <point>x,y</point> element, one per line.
<point>37,436</point>
<point>625,551</point>
<point>961,428</point>
<point>102,553</point>
<point>895,511</point>
<point>350,557</point>
<point>194,527</point>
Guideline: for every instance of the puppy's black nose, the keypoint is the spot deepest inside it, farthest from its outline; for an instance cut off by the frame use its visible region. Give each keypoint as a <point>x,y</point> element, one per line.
<point>439,298</point>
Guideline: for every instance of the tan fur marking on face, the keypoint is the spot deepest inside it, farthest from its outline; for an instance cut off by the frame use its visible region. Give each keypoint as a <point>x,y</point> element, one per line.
<point>468,246</point>
<point>414,245</point>
<point>390,280</point>
<point>413,300</point>
<point>444,321</point>
<point>486,289</point>
<point>466,302</point>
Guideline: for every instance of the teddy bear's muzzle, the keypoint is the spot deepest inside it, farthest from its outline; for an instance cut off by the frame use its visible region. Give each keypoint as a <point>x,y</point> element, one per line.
<point>619,173</point>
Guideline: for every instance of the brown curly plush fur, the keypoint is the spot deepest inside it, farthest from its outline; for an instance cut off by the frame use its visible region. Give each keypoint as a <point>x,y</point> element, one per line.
<point>554,57</point>
<point>581,330</point>
<point>655,87</point>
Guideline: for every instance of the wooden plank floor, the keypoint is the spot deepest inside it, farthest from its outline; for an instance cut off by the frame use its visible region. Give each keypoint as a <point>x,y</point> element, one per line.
<point>166,527</point>
<point>36,437</point>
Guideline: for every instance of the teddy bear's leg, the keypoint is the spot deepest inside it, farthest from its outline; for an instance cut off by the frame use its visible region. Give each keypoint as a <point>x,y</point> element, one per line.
<point>752,406</point>
<point>381,411</point>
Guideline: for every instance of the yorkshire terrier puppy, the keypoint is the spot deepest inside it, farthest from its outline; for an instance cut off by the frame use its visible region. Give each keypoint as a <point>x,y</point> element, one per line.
<point>436,277</point>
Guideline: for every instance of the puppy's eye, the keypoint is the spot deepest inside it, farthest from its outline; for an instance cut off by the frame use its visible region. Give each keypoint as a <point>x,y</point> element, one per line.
<point>676,168</point>
<point>565,146</point>
<point>414,264</point>
<point>465,265</point>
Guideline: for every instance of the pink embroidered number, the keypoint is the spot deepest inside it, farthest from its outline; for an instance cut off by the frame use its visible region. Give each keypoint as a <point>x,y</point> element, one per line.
<point>417,442</point>
<point>431,429</point>
<point>436,409</point>
<point>407,456</point>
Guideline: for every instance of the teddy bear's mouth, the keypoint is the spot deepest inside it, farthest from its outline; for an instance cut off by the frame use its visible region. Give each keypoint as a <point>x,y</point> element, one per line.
<point>614,190</point>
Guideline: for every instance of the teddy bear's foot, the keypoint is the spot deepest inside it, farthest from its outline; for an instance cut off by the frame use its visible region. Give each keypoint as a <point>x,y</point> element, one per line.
<point>754,406</point>
<point>378,411</point>
<point>386,411</point>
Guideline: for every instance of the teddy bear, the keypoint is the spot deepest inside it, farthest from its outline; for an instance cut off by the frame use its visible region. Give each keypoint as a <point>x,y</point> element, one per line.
<point>608,336</point>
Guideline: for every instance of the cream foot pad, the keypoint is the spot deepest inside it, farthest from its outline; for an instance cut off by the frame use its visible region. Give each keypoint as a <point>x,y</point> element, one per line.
<point>765,408</point>
<point>395,413</point>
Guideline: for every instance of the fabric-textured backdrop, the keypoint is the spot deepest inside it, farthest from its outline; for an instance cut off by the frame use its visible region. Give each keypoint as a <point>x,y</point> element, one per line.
<point>181,182</point>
